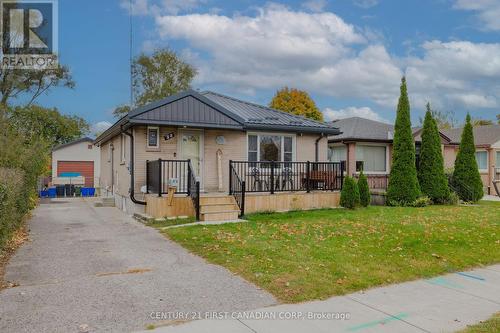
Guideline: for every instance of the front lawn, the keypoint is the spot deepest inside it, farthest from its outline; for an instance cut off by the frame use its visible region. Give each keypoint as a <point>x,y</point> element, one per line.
<point>301,256</point>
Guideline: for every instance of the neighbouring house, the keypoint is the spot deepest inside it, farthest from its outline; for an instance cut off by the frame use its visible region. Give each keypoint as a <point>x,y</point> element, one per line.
<point>76,162</point>
<point>216,157</point>
<point>367,145</point>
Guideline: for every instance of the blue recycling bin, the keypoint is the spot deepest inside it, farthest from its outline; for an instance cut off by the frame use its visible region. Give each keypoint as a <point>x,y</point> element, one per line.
<point>52,192</point>
<point>44,194</point>
<point>91,192</point>
<point>85,191</point>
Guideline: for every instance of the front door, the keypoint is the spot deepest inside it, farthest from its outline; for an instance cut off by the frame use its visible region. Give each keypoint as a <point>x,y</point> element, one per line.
<point>191,148</point>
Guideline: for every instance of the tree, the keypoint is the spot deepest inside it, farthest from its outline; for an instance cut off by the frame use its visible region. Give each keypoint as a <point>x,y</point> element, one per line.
<point>466,177</point>
<point>364,190</point>
<point>403,186</point>
<point>33,83</point>
<point>498,118</point>
<point>296,102</point>
<point>36,122</point>
<point>481,122</point>
<point>431,176</point>
<point>349,196</point>
<point>443,119</point>
<point>121,110</point>
<point>157,76</point>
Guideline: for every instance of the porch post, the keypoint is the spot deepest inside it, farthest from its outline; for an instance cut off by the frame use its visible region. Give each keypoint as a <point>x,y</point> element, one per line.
<point>147,176</point>
<point>243,189</point>
<point>342,168</point>
<point>308,177</point>
<point>189,177</point>
<point>159,178</point>
<point>272,177</point>
<point>230,177</point>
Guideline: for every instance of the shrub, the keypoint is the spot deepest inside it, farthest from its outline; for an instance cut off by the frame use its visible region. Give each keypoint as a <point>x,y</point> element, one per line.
<point>452,199</point>
<point>349,197</point>
<point>11,198</point>
<point>403,186</point>
<point>421,202</point>
<point>364,190</point>
<point>466,178</point>
<point>431,175</point>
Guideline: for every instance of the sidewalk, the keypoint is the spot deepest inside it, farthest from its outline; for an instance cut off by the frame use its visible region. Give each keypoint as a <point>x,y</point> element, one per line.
<point>443,304</point>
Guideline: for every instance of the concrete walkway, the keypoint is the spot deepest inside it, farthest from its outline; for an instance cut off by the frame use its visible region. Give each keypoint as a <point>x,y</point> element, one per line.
<point>443,304</point>
<point>88,269</point>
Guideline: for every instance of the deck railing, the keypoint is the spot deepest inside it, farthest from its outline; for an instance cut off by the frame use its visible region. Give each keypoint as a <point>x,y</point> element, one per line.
<point>237,188</point>
<point>376,181</point>
<point>287,176</point>
<point>160,174</point>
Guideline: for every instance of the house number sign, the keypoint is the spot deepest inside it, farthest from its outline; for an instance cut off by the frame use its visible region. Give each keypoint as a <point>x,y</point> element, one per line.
<point>169,136</point>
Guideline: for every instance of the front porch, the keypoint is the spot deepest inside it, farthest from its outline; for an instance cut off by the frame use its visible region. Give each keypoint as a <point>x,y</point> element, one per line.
<point>173,189</point>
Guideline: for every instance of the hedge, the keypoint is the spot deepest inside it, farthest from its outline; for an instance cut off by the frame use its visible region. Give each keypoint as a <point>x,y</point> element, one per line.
<point>13,204</point>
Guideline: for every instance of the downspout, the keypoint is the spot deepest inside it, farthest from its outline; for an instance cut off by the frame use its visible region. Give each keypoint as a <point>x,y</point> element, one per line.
<point>132,180</point>
<point>316,147</point>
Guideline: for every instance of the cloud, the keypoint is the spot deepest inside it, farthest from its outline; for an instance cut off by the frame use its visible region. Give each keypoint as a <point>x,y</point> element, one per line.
<point>325,55</point>
<point>99,127</point>
<point>456,74</point>
<point>315,5</point>
<point>488,11</point>
<point>365,3</point>
<point>352,111</point>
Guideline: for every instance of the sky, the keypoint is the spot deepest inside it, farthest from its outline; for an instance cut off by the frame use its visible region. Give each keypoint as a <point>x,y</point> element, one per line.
<point>349,55</point>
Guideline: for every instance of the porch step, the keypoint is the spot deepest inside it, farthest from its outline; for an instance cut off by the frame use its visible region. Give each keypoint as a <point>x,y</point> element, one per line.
<point>222,215</point>
<point>217,200</point>
<point>211,208</point>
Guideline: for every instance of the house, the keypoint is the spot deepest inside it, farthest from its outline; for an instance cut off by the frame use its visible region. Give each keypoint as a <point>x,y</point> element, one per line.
<point>487,141</point>
<point>76,162</point>
<point>367,144</point>
<point>218,154</point>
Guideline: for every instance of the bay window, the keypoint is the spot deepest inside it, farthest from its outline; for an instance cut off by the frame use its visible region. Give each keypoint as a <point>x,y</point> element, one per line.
<point>337,153</point>
<point>270,147</point>
<point>371,158</point>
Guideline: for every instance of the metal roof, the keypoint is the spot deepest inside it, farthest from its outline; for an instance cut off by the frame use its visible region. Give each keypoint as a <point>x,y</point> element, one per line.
<point>255,115</point>
<point>212,110</point>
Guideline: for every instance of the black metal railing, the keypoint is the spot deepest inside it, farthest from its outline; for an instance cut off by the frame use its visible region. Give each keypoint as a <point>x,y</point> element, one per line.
<point>237,188</point>
<point>194,189</point>
<point>162,173</point>
<point>288,176</point>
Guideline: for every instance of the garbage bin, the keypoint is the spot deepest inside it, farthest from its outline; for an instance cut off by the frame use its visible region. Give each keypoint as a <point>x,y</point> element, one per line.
<point>85,192</point>
<point>69,189</point>
<point>52,192</point>
<point>91,192</point>
<point>78,191</point>
<point>60,190</point>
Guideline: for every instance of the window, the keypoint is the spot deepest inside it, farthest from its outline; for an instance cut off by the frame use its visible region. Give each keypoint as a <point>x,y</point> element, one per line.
<point>123,141</point>
<point>89,147</point>
<point>482,160</point>
<point>371,158</point>
<point>270,147</point>
<point>153,137</point>
<point>337,153</point>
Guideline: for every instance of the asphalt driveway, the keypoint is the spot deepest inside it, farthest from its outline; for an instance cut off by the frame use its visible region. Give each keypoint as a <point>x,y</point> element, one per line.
<point>98,270</point>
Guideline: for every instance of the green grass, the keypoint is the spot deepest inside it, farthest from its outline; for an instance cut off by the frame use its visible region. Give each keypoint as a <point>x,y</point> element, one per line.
<point>491,325</point>
<point>167,223</point>
<point>301,256</point>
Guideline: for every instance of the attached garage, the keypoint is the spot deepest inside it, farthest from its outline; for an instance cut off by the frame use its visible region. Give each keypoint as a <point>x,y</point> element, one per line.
<point>83,168</point>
